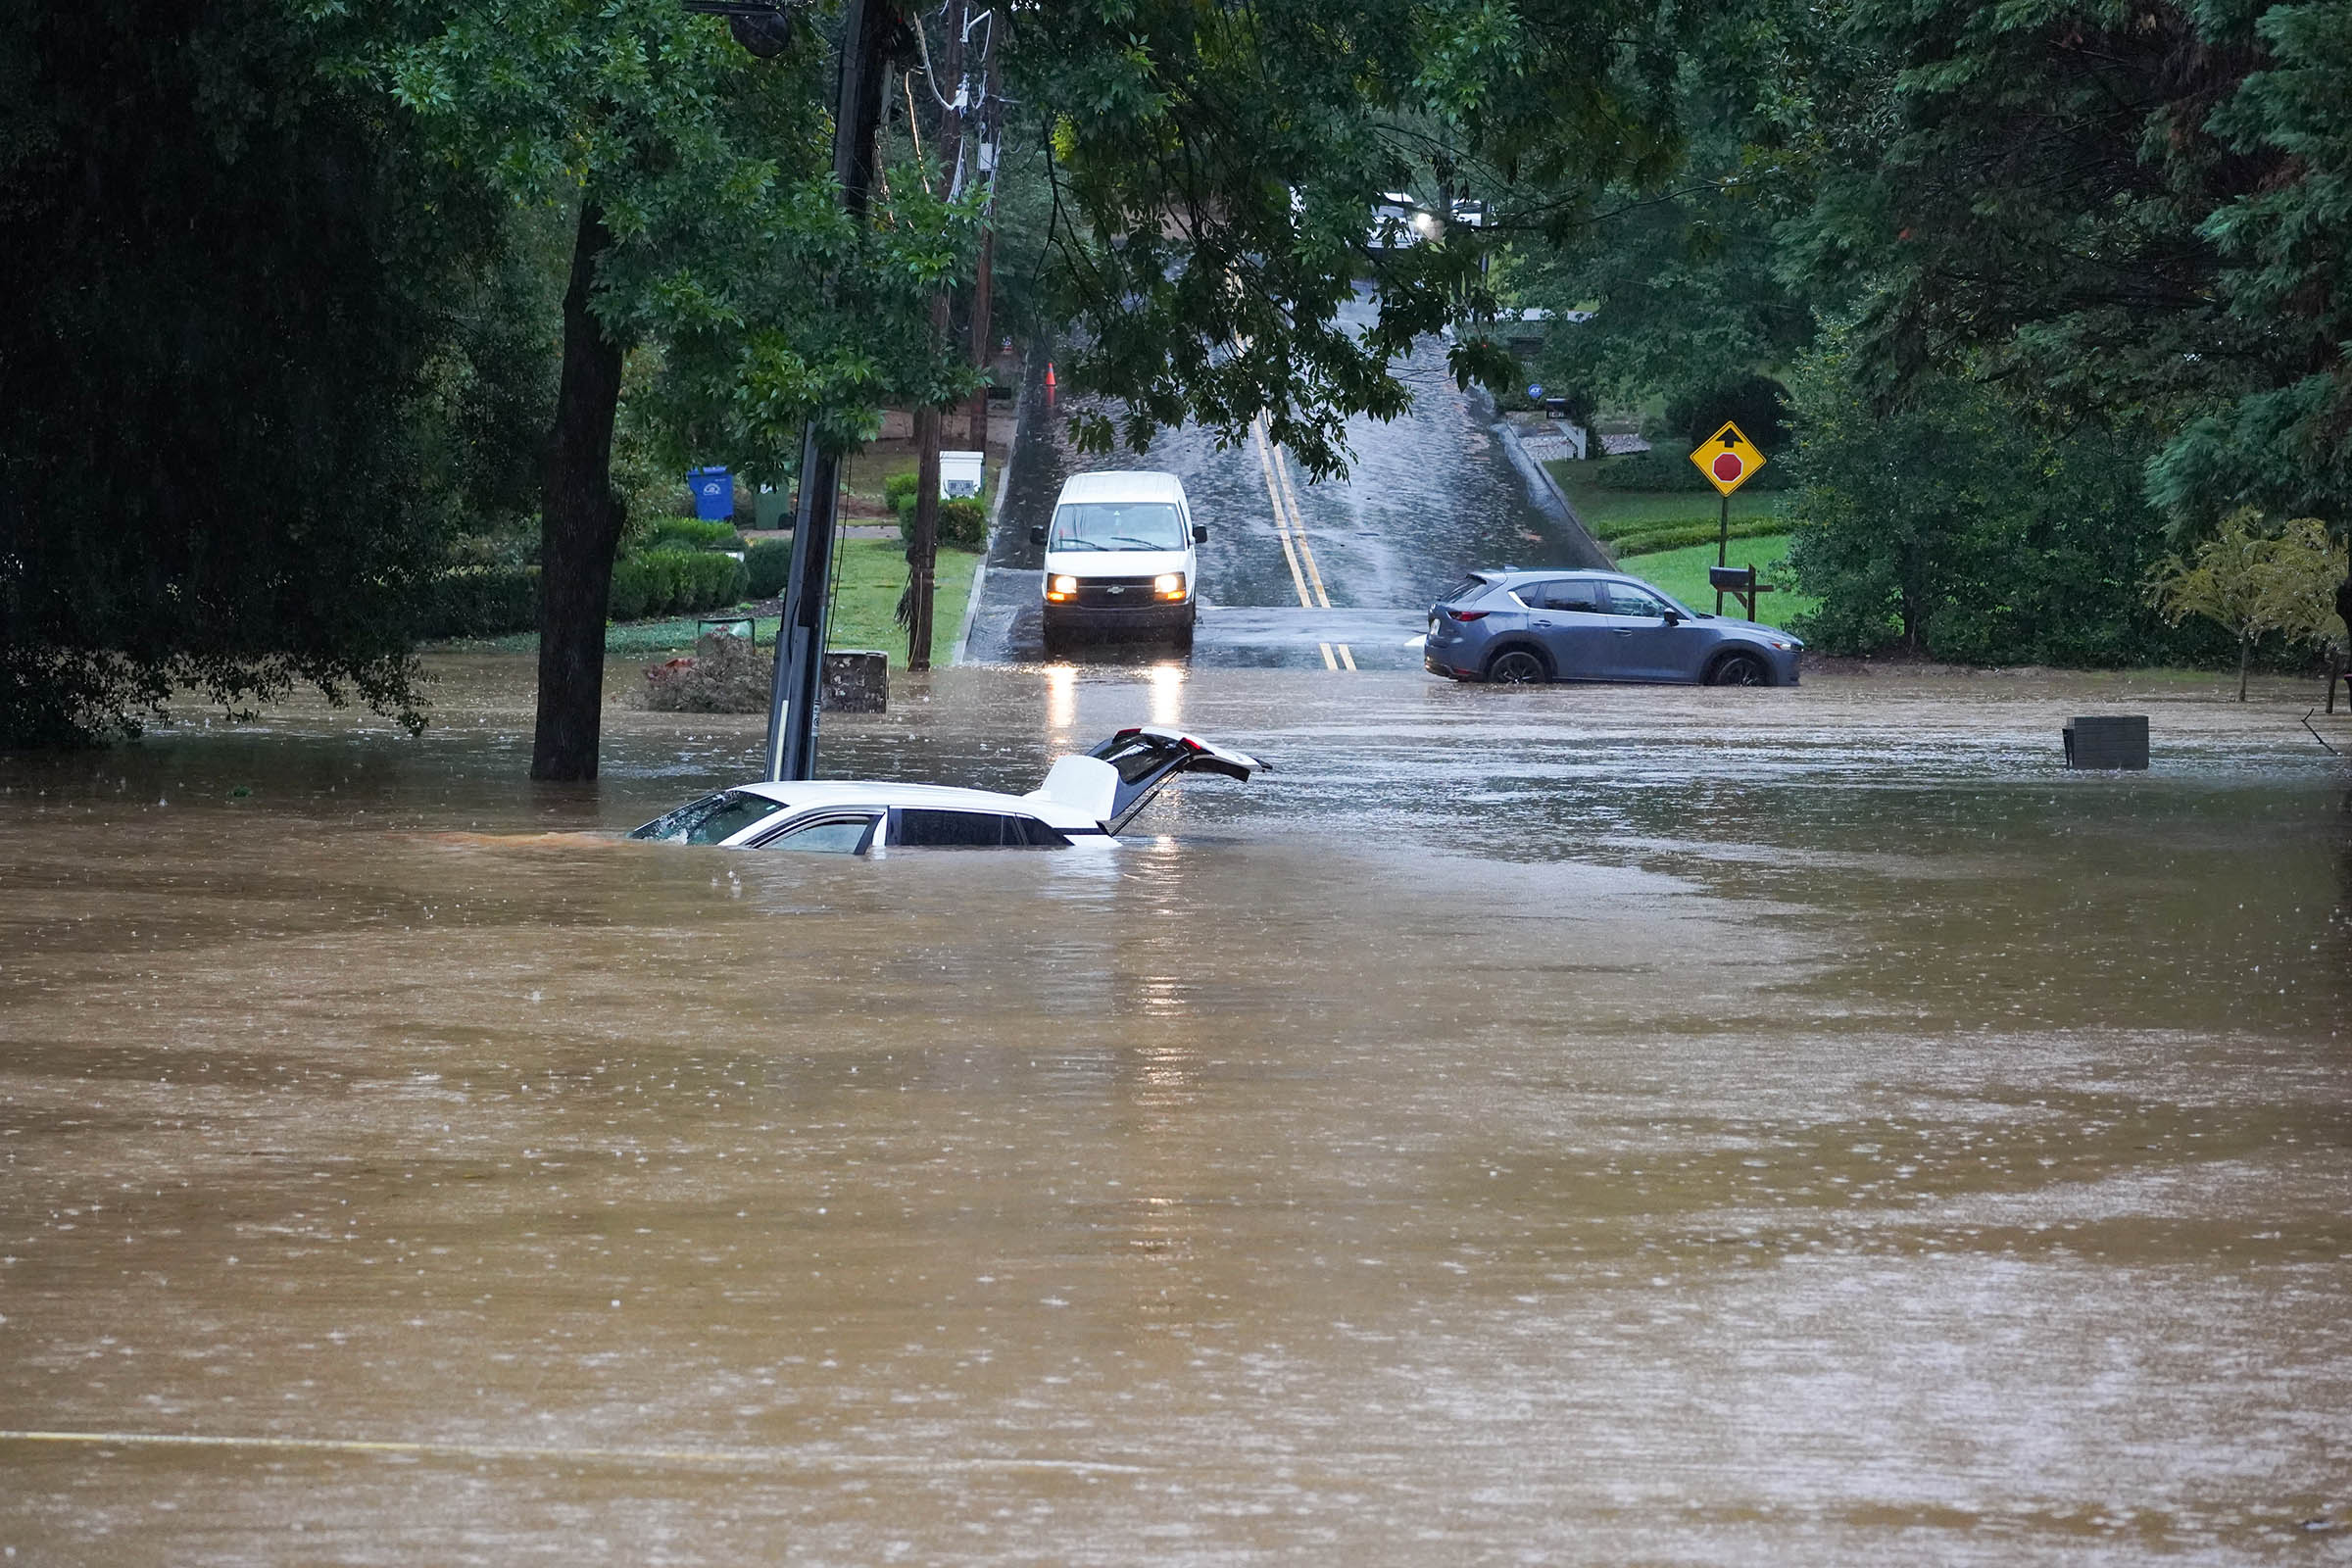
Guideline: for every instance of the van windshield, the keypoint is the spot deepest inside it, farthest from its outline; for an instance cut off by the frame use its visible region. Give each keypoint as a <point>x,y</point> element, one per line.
<point>1116,525</point>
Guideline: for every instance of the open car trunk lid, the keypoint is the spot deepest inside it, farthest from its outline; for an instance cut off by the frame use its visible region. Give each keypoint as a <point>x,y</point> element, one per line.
<point>1119,777</point>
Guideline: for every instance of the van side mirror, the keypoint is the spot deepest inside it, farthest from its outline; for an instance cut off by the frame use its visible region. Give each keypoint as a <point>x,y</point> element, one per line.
<point>1037,534</point>
<point>1199,533</point>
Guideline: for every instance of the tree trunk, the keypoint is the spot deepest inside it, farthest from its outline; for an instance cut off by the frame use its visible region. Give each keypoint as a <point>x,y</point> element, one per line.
<point>922,550</point>
<point>2245,655</point>
<point>579,527</point>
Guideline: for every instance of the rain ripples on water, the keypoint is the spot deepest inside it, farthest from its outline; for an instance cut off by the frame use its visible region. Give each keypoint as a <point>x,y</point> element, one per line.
<point>1568,1125</point>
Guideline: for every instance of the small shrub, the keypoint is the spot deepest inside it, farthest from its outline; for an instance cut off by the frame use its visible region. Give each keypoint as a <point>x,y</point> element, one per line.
<point>482,601</point>
<point>964,523</point>
<point>767,567</point>
<point>632,586</point>
<point>897,494</point>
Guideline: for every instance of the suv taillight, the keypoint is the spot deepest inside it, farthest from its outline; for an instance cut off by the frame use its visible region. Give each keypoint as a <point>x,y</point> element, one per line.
<point>1468,614</point>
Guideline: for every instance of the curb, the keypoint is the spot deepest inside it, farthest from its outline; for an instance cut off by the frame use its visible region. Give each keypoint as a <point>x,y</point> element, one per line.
<point>996,511</point>
<point>1521,459</point>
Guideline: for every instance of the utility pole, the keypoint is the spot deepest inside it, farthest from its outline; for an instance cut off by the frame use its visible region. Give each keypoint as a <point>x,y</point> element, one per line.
<point>800,640</point>
<point>984,354</point>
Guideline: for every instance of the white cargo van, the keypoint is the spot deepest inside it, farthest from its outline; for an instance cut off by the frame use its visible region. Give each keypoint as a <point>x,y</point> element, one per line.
<point>1120,558</point>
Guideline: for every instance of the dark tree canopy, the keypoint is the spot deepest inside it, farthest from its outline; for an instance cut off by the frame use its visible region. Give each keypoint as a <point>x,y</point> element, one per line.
<point>237,304</point>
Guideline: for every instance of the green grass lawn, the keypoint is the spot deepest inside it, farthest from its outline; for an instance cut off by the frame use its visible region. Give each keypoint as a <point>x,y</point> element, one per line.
<point>1682,573</point>
<point>870,575</point>
<point>1612,514</point>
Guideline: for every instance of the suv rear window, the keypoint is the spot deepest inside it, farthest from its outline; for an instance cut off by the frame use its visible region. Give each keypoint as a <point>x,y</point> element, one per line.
<point>1467,587</point>
<point>920,828</point>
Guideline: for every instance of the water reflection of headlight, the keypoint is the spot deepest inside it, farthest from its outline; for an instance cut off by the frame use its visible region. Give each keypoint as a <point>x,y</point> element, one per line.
<point>1061,698</point>
<point>1168,695</point>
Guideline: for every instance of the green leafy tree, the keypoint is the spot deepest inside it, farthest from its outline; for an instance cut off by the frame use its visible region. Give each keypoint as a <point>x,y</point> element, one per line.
<point>2132,211</point>
<point>2252,580</point>
<point>698,184</point>
<point>1967,525</point>
<point>1215,171</point>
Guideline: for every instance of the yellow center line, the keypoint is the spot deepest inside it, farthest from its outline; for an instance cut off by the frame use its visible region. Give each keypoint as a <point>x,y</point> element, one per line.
<point>501,1450</point>
<point>1290,525</point>
<point>1282,527</point>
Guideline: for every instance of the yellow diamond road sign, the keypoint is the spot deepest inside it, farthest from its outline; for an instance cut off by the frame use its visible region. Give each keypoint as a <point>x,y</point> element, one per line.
<point>1728,459</point>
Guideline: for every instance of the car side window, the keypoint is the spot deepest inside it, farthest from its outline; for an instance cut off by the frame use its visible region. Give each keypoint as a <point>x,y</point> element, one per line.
<point>922,828</point>
<point>1573,595</point>
<point>1536,595</point>
<point>1037,835</point>
<point>831,835</point>
<point>1624,599</point>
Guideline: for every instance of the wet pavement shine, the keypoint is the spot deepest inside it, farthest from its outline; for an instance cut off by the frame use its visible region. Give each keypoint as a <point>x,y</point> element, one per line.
<point>1295,572</point>
<point>1569,1125</point>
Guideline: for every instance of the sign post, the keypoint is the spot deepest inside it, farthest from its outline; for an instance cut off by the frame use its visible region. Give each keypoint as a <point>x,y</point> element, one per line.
<point>1728,459</point>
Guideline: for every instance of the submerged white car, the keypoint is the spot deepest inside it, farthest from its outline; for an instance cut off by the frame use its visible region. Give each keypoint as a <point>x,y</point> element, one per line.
<point>1094,796</point>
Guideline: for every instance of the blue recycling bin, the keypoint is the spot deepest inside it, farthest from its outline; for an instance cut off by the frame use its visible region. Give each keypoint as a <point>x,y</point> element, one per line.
<point>713,493</point>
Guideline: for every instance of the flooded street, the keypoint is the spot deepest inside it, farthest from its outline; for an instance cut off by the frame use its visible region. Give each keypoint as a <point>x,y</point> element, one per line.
<point>1583,1125</point>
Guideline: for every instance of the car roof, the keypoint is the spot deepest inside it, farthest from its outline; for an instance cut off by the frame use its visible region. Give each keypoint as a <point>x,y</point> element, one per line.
<point>850,794</point>
<point>1124,484</point>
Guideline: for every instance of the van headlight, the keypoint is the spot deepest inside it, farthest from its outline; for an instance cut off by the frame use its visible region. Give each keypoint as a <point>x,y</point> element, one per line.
<point>1060,587</point>
<point>1168,585</point>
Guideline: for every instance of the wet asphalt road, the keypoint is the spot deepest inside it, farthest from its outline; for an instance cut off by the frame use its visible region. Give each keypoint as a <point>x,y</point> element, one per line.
<point>1334,575</point>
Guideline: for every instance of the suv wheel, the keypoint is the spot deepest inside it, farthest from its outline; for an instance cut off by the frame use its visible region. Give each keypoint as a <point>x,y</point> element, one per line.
<point>1518,666</point>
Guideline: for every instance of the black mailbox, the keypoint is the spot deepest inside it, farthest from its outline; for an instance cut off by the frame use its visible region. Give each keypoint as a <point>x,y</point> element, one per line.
<point>1732,580</point>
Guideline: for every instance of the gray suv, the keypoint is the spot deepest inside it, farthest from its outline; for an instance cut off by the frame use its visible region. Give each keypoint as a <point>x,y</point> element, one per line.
<point>1524,627</point>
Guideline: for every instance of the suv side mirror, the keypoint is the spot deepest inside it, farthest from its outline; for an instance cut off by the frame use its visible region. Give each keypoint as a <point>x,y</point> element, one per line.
<point>1672,616</point>
<point>1199,533</point>
<point>1037,534</point>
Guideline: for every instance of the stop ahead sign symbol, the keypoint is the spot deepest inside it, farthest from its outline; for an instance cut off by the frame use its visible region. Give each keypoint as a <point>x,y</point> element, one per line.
<point>1729,467</point>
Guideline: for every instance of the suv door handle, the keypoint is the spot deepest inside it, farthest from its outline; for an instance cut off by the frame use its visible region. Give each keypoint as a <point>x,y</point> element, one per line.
<point>1543,622</point>
<point>1625,631</point>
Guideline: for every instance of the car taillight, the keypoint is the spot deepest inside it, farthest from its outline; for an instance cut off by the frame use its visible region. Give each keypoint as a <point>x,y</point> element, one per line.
<point>1468,614</point>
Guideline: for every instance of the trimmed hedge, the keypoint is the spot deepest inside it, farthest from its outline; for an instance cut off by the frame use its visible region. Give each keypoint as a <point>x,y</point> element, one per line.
<point>482,601</point>
<point>674,582</point>
<point>690,533</point>
<point>1674,470</point>
<point>767,566</point>
<point>1674,536</point>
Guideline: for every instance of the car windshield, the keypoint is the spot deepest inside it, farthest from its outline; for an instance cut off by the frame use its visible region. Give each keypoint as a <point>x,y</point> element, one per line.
<point>713,820</point>
<point>1117,526</point>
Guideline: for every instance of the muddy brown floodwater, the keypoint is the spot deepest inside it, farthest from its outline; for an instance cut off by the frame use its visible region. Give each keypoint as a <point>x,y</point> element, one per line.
<point>1560,1126</point>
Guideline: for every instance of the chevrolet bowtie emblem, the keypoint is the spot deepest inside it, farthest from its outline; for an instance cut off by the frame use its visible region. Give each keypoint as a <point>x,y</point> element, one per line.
<point>1114,590</point>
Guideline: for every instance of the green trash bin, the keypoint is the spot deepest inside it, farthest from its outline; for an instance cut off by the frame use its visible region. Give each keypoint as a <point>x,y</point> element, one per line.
<point>771,508</point>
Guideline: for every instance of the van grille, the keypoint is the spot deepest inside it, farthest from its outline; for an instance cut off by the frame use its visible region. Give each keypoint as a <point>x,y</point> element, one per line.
<point>1113,593</point>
